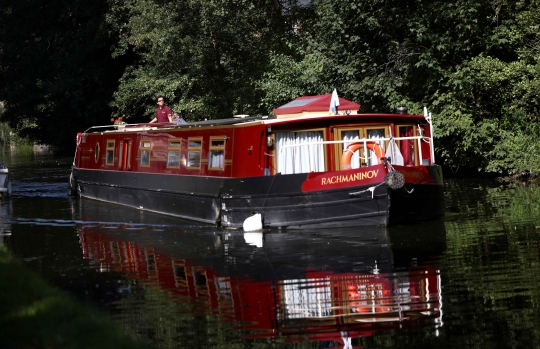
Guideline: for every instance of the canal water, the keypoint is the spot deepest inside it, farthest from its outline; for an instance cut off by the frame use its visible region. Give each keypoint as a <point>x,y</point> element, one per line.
<point>469,280</point>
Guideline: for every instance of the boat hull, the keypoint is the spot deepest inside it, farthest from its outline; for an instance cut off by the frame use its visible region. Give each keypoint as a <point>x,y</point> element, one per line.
<point>282,200</point>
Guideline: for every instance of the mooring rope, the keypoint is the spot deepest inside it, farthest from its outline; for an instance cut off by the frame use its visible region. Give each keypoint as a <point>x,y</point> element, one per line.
<point>394,180</point>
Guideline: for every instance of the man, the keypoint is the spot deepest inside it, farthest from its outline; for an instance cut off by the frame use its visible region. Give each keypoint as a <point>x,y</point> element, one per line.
<point>163,113</point>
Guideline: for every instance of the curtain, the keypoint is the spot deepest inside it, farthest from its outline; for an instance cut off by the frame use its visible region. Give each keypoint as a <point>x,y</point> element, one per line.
<point>299,159</point>
<point>407,146</point>
<point>375,134</point>
<point>349,136</point>
<point>216,159</point>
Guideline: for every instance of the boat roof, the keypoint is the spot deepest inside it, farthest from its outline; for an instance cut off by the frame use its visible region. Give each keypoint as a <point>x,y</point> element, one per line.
<point>265,119</point>
<point>314,104</point>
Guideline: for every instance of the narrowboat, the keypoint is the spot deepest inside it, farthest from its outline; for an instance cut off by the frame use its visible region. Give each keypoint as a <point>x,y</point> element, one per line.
<point>302,167</point>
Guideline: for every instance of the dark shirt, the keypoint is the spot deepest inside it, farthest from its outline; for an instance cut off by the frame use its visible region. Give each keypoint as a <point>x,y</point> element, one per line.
<point>162,115</point>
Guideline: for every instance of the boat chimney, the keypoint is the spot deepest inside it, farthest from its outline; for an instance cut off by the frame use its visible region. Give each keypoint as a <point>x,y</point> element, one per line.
<point>402,110</point>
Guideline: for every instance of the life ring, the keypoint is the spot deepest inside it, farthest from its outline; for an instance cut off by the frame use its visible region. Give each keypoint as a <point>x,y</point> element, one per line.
<point>349,151</point>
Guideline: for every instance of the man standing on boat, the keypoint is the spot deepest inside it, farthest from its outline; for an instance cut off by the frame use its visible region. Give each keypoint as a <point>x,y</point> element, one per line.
<point>163,113</point>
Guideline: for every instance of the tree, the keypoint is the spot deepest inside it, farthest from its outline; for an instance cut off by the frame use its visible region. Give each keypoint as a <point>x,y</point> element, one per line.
<point>205,57</point>
<point>474,63</point>
<point>57,73</point>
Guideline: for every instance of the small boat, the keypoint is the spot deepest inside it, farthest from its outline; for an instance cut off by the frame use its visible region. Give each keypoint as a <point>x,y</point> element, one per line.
<point>5,183</point>
<point>302,168</point>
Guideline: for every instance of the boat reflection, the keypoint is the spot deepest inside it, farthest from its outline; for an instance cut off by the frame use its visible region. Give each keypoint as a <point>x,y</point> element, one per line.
<point>316,285</point>
<point>6,209</point>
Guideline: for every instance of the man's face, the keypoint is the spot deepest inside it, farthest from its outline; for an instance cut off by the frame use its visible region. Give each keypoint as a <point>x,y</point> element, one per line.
<point>160,102</point>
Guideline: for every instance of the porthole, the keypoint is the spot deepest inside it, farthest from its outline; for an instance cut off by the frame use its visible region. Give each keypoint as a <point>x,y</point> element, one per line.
<point>96,155</point>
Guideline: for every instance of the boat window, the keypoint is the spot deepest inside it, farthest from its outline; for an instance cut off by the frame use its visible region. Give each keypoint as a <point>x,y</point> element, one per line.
<point>216,159</point>
<point>194,153</point>
<point>376,133</point>
<point>407,146</point>
<point>109,155</point>
<point>96,155</point>
<point>173,153</point>
<point>145,153</point>
<point>295,156</point>
<point>351,134</point>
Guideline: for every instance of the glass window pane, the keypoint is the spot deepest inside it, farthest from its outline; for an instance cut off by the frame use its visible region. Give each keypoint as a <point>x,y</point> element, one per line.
<point>194,143</point>
<point>297,158</point>
<point>375,134</point>
<point>173,158</point>
<point>216,159</point>
<point>109,158</point>
<point>217,143</point>
<point>350,136</point>
<point>407,145</point>
<point>145,158</point>
<point>194,158</point>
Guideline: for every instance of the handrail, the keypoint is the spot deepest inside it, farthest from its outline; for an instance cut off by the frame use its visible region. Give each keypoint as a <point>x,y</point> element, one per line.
<point>131,125</point>
<point>419,139</point>
<point>211,122</point>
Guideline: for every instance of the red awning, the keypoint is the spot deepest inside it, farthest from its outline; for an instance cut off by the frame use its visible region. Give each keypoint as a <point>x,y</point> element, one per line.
<point>314,104</point>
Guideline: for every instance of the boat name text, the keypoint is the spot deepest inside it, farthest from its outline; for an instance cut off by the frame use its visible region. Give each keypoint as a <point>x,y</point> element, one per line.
<point>413,174</point>
<point>350,178</point>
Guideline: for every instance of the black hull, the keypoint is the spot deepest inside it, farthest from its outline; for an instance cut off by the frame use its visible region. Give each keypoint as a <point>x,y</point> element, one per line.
<point>280,200</point>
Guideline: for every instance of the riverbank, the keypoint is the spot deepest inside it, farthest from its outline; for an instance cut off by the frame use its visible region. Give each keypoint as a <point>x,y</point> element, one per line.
<point>35,315</point>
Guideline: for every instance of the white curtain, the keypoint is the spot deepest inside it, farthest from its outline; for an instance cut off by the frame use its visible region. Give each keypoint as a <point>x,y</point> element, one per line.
<point>216,159</point>
<point>300,159</point>
<point>375,134</point>
<point>350,136</point>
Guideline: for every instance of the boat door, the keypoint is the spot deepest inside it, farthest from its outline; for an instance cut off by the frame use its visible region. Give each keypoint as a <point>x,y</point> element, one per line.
<point>126,155</point>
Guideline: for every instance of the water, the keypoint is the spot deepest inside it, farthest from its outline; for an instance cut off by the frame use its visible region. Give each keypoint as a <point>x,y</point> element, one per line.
<point>469,280</point>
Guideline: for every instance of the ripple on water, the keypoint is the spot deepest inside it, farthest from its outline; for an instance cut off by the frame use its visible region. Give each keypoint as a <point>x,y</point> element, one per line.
<point>35,189</point>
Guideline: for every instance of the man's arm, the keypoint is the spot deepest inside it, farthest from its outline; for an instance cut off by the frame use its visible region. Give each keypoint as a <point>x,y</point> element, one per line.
<point>169,114</point>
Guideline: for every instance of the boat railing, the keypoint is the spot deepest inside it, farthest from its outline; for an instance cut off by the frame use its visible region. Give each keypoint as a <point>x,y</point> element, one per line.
<point>132,127</point>
<point>388,141</point>
<point>165,125</point>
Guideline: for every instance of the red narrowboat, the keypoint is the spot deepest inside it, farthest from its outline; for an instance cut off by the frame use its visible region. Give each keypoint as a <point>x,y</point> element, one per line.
<point>302,168</point>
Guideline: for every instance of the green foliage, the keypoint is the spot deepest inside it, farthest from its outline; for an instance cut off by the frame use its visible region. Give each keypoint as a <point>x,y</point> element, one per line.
<point>10,137</point>
<point>57,76</point>
<point>288,79</point>
<point>205,57</point>
<point>474,63</point>
<point>34,315</point>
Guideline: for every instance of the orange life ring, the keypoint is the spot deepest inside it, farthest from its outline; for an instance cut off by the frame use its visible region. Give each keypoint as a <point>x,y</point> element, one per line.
<point>349,151</point>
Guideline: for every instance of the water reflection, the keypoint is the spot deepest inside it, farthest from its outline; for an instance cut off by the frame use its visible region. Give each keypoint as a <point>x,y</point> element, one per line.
<point>178,284</point>
<point>309,285</point>
<point>5,211</point>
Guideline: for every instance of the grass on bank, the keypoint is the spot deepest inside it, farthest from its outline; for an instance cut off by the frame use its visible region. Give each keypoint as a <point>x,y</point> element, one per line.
<point>35,315</point>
